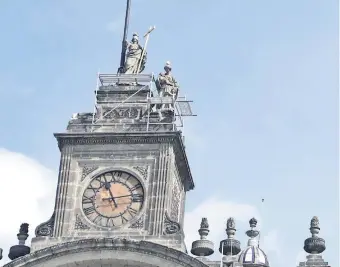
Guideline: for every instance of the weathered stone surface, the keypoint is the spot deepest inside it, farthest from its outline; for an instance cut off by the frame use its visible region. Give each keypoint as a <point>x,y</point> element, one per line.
<point>157,160</point>
<point>100,251</point>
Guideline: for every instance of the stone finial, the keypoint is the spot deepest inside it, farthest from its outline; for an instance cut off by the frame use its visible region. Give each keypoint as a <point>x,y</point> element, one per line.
<point>314,244</point>
<point>204,230</point>
<point>252,233</point>
<point>230,228</point>
<point>230,246</point>
<point>204,223</point>
<point>231,223</point>
<point>203,247</point>
<point>20,250</point>
<point>253,222</point>
<point>315,224</point>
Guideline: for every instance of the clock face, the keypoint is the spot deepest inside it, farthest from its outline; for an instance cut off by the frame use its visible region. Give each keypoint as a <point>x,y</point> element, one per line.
<point>113,199</point>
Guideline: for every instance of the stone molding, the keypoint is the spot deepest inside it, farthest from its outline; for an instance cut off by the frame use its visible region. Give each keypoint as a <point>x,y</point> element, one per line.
<point>72,139</point>
<point>99,244</point>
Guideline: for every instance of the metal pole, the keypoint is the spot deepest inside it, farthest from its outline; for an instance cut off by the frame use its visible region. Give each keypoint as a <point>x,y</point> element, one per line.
<point>95,101</point>
<point>262,215</point>
<point>126,26</point>
<point>222,254</point>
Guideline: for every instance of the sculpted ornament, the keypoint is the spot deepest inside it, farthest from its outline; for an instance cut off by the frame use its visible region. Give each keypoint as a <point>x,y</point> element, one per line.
<point>46,228</point>
<point>204,223</point>
<point>166,83</point>
<point>143,171</point>
<point>23,229</point>
<point>231,223</point>
<point>134,57</point>
<point>80,225</point>
<point>171,227</point>
<point>138,224</point>
<point>87,170</point>
<point>176,201</point>
<point>315,222</point>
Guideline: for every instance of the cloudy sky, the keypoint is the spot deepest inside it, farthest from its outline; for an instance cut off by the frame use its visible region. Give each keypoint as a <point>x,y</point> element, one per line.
<point>264,79</point>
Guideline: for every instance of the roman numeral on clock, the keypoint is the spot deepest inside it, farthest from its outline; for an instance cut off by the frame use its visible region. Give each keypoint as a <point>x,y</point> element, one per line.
<point>132,211</point>
<point>110,222</point>
<point>94,189</point>
<point>135,187</point>
<point>87,200</point>
<point>124,220</point>
<point>137,198</point>
<point>89,210</point>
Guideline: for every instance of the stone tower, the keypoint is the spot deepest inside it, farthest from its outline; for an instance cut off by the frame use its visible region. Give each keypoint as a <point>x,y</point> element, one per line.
<point>123,169</point>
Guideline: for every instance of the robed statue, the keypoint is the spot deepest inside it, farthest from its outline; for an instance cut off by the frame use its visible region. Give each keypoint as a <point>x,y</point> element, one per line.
<point>135,56</point>
<point>166,82</point>
<point>167,86</point>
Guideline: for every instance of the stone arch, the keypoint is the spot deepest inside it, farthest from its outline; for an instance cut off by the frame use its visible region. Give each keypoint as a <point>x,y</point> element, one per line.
<point>106,251</point>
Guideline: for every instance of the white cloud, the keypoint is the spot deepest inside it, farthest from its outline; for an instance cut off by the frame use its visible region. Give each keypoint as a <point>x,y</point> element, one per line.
<point>26,195</point>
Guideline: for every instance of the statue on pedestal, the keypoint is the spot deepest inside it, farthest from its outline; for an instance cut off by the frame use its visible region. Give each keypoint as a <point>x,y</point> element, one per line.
<point>166,82</point>
<point>167,86</point>
<point>135,57</point>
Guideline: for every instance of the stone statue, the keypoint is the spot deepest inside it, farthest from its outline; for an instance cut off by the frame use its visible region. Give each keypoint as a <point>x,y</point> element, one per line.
<point>314,223</point>
<point>166,83</point>
<point>204,223</point>
<point>23,228</point>
<point>231,223</point>
<point>134,57</point>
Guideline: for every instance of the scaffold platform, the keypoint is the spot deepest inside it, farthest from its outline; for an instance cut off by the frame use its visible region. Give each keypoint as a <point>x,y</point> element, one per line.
<point>130,102</point>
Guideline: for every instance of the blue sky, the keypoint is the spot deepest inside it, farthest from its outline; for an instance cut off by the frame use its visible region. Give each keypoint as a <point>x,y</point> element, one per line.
<point>263,76</point>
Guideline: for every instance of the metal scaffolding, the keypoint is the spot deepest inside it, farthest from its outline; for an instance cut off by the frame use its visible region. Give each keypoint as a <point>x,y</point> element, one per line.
<point>180,106</point>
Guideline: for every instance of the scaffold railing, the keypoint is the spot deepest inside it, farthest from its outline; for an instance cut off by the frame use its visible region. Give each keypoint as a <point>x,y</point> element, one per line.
<point>180,106</point>
<point>112,79</point>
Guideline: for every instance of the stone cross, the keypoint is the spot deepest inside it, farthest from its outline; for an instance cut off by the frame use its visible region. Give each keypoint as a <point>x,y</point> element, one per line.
<point>147,35</point>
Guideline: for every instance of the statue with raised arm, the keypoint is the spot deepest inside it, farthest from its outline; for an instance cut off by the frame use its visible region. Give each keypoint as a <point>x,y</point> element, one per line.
<point>135,57</point>
<point>166,82</point>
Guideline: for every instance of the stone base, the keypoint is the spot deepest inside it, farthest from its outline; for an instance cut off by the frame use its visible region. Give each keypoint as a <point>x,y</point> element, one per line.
<point>107,252</point>
<point>177,242</point>
<point>314,260</point>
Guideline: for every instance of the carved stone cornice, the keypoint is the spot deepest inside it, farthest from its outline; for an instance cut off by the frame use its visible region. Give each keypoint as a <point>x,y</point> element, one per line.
<point>96,245</point>
<point>102,138</point>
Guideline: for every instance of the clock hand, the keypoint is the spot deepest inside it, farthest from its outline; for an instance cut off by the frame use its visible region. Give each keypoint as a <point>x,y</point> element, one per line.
<point>113,199</point>
<point>108,188</point>
<point>109,198</point>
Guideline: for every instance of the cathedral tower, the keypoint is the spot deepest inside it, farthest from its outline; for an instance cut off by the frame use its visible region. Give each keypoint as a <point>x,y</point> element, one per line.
<point>123,169</point>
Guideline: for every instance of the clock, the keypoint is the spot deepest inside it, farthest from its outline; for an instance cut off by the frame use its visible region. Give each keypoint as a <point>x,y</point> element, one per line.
<point>113,199</point>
